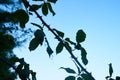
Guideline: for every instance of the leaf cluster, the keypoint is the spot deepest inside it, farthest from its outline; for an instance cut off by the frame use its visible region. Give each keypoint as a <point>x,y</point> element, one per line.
<point>111,73</point>
<point>80,76</point>
<point>5,70</point>
<point>45,6</point>
<point>22,17</point>
<point>23,70</point>
<point>80,37</point>
<point>7,42</point>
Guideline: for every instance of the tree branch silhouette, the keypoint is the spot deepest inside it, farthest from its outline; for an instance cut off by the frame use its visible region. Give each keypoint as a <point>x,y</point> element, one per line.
<point>7,62</point>
<point>58,38</point>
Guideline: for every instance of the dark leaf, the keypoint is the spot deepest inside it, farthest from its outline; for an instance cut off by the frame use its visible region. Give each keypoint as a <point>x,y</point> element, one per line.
<point>59,47</point>
<point>117,77</point>
<point>83,52</point>
<point>24,74</point>
<point>61,34</point>
<point>50,9</point>
<point>34,43</point>
<point>79,78</point>
<point>25,4</point>
<point>110,69</point>
<point>20,16</point>
<point>69,70</point>
<point>107,77</point>
<point>14,59</point>
<point>80,36</point>
<point>22,25</point>
<point>19,68</point>
<point>71,42</point>
<point>86,77</point>
<point>78,46</point>
<point>84,56</point>
<point>53,1</point>
<point>39,34</point>
<point>45,9</point>
<point>37,25</point>
<point>49,51</point>
<point>26,66</point>
<point>111,79</point>
<point>35,7</point>
<point>70,78</point>
<point>33,74</point>
<point>84,60</point>
<point>21,60</point>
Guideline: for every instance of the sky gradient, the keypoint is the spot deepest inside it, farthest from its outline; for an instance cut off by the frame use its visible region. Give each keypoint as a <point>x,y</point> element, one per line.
<point>99,19</point>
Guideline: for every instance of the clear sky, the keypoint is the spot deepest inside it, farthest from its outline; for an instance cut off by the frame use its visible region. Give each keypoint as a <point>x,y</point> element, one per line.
<point>100,19</point>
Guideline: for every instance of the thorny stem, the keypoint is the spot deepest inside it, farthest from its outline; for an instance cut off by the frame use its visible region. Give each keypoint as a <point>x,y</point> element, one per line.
<point>59,39</point>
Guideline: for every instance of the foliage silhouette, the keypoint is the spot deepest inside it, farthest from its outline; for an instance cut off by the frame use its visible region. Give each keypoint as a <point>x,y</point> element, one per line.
<point>59,35</point>
<point>7,43</point>
<point>10,37</point>
<point>20,17</point>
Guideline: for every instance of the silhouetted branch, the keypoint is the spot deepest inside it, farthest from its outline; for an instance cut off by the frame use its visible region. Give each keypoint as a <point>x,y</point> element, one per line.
<point>7,62</point>
<point>58,38</point>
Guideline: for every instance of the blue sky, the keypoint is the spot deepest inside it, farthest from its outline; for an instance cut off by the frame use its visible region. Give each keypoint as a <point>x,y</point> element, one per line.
<point>100,20</point>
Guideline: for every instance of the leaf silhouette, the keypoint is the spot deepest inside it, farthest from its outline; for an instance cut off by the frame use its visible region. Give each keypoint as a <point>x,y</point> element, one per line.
<point>19,68</point>
<point>21,16</point>
<point>70,78</point>
<point>37,25</point>
<point>39,35</point>
<point>86,77</point>
<point>69,70</point>
<point>59,47</point>
<point>49,51</point>
<point>35,7</point>
<point>60,33</point>
<point>117,78</point>
<point>45,9</point>
<point>78,46</point>
<point>80,36</point>
<point>110,69</point>
<point>84,56</point>
<point>50,9</point>
<point>53,1</point>
<point>34,43</point>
